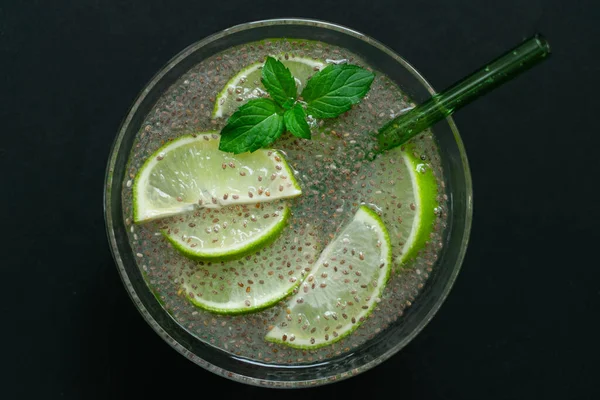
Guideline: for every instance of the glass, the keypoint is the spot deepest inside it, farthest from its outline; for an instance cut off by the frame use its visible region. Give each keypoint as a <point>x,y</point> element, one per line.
<point>389,341</point>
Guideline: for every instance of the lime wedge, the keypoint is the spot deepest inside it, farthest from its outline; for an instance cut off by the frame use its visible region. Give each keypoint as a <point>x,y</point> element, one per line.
<point>246,84</point>
<point>226,233</point>
<point>256,281</point>
<point>406,191</point>
<point>343,287</point>
<point>191,172</point>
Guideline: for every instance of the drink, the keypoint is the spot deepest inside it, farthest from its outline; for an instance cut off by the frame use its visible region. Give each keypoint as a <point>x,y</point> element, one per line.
<point>335,178</point>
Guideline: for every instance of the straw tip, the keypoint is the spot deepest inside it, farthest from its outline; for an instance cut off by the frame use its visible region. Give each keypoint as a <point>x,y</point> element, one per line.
<point>542,43</point>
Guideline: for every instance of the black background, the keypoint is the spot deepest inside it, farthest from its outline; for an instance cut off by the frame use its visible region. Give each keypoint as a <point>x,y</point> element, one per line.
<point>520,321</point>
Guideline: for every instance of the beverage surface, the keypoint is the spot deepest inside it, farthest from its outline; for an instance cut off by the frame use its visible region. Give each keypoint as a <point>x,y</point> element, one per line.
<point>336,180</point>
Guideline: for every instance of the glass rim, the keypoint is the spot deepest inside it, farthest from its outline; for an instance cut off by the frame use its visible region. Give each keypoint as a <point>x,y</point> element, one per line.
<point>109,224</point>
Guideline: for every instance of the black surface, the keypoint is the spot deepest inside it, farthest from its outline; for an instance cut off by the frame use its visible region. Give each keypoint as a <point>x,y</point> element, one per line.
<point>520,322</point>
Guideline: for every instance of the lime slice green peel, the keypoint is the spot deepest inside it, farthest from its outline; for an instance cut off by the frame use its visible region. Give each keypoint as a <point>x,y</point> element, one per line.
<point>191,172</point>
<point>408,206</point>
<point>256,281</point>
<point>425,190</point>
<point>342,289</point>
<point>197,242</point>
<point>246,84</point>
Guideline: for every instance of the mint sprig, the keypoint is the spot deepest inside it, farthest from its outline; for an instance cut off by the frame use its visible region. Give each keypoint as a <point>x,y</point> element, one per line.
<point>256,124</point>
<point>335,89</point>
<point>279,82</point>
<point>295,122</point>
<point>329,93</point>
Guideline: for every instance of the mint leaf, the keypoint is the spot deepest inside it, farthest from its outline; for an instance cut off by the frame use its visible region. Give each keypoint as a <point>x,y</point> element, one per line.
<point>334,90</point>
<point>295,122</point>
<point>255,124</point>
<point>279,82</point>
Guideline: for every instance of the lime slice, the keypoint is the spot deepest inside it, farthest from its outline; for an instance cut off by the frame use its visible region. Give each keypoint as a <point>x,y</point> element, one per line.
<point>406,192</point>
<point>247,84</point>
<point>191,172</point>
<point>225,233</point>
<point>256,281</point>
<point>343,287</point>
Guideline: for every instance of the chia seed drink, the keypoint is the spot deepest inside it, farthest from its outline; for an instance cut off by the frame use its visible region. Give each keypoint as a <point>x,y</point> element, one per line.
<point>335,179</point>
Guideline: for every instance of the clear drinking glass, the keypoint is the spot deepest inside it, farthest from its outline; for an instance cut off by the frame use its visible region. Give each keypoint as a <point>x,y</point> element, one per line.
<point>389,341</point>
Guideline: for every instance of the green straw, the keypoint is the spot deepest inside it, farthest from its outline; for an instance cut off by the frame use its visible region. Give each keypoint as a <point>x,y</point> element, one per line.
<point>400,129</point>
